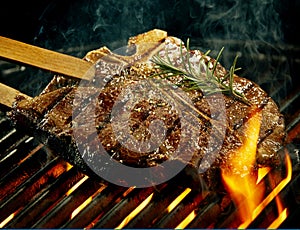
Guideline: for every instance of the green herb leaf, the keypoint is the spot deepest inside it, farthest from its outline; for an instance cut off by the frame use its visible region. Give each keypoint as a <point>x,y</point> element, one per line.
<point>207,80</point>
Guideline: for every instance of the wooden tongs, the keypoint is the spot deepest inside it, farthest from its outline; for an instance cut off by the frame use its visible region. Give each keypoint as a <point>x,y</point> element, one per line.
<point>60,63</point>
<point>38,57</point>
<point>42,58</point>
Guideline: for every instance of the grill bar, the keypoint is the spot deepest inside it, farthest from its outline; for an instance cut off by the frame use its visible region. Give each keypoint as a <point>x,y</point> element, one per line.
<point>122,209</point>
<point>46,200</point>
<point>35,191</point>
<point>292,200</point>
<point>31,187</point>
<point>207,212</point>
<point>100,205</point>
<point>10,182</point>
<point>182,210</point>
<point>63,210</point>
<point>11,158</point>
<point>159,207</point>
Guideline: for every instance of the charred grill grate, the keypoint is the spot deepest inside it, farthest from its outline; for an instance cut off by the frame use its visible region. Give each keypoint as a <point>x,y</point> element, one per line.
<point>38,189</point>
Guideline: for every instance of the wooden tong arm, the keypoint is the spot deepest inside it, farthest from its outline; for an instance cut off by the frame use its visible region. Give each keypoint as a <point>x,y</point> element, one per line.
<point>8,95</point>
<point>42,58</point>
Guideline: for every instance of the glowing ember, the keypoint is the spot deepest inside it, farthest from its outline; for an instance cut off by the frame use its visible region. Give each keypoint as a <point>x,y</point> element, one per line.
<point>136,211</point>
<point>240,180</point>
<point>178,199</point>
<point>187,220</point>
<point>6,221</point>
<point>68,166</point>
<point>76,185</point>
<point>86,202</point>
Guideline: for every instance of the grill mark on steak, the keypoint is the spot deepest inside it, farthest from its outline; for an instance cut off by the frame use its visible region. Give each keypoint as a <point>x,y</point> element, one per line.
<point>37,108</point>
<point>54,124</point>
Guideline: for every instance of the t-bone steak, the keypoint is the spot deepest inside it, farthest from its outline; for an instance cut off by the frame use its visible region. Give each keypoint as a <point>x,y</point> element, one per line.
<point>53,116</point>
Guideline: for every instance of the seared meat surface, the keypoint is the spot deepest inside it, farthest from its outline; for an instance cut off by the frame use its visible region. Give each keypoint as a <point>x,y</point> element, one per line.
<point>68,105</point>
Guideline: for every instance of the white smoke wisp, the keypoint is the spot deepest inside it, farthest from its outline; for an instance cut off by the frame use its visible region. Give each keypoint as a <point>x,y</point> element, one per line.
<point>251,29</point>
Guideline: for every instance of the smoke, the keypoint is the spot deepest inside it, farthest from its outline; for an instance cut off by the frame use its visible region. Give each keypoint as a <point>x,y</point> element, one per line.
<point>240,20</point>
<point>100,22</point>
<point>251,29</point>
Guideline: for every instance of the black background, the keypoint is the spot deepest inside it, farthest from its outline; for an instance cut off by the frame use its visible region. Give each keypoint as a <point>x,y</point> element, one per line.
<point>63,24</point>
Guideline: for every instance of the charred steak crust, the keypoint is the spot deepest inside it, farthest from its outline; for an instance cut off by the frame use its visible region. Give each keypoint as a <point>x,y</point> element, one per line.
<point>49,118</point>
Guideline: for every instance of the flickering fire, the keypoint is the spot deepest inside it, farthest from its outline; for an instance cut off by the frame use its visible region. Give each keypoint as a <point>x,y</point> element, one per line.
<point>261,173</point>
<point>240,180</point>
<point>274,194</point>
<point>244,184</point>
<point>282,216</point>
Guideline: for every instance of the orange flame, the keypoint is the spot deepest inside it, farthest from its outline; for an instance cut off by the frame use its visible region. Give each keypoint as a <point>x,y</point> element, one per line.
<point>243,184</point>
<point>274,194</point>
<point>261,173</point>
<point>239,180</point>
<point>282,216</point>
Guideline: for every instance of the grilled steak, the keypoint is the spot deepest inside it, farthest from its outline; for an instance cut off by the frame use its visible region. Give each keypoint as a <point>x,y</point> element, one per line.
<point>62,116</point>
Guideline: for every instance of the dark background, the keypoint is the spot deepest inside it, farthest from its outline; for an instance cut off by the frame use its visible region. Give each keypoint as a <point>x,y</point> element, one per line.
<point>50,19</point>
<point>264,33</point>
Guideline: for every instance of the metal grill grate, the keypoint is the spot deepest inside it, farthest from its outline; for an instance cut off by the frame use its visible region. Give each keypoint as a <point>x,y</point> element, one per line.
<point>38,189</point>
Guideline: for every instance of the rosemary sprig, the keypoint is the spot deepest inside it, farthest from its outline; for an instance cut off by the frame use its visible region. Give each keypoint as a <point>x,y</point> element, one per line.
<point>202,78</point>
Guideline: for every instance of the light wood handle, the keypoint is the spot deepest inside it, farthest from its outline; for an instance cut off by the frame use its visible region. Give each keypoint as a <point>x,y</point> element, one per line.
<point>43,58</point>
<point>148,44</point>
<point>8,95</point>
